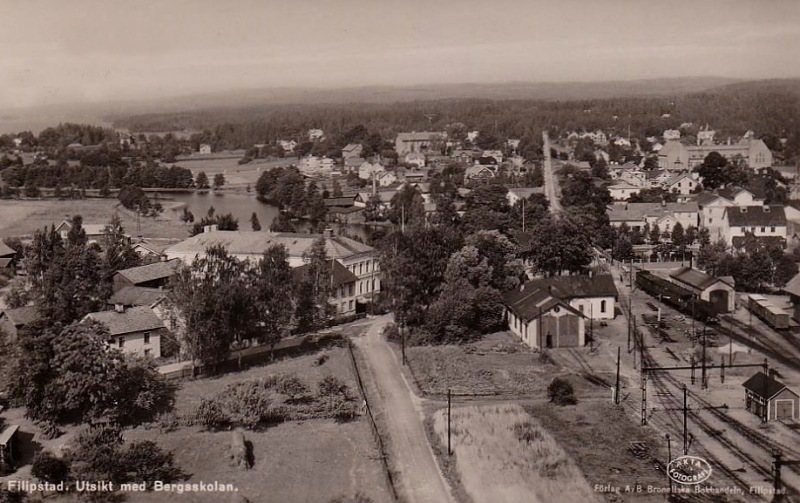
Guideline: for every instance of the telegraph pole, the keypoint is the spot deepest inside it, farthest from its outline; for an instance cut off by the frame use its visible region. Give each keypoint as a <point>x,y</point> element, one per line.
<point>703,376</point>
<point>669,460</point>
<point>616,392</point>
<point>685,420</point>
<point>449,448</point>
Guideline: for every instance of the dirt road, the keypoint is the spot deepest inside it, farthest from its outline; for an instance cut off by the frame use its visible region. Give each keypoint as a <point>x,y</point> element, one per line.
<point>420,478</point>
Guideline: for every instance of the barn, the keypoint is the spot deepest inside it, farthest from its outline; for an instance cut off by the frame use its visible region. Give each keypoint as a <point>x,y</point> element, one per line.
<point>765,393</point>
<point>544,320</point>
<point>717,291</point>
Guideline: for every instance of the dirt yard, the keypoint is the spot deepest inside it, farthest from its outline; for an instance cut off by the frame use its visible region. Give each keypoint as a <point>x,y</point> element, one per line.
<point>496,365</point>
<point>502,454</point>
<point>24,217</point>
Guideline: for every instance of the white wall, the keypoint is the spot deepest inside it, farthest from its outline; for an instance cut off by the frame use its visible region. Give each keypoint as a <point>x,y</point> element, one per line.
<point>592,307</point>
<point>134,343</point>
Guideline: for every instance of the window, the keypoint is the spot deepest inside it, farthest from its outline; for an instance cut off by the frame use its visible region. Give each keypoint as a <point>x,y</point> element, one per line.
<point>147,337</point>
<point>352,289</point>
<point>580,307</point>
<point>361,268</point>
<point>602,306</point>
<point>710,220</point>
<point>121,342</point>
<point>351,305</point>
<point>772,229</point>
<point>763,229</point>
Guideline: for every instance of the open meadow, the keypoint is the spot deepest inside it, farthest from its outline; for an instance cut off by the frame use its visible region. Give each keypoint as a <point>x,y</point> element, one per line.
<point>502,454</point>
<point>24,217</point>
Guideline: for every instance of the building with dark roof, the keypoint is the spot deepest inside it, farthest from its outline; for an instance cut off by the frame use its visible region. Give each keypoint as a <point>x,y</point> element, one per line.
<point>770,399</point>
<point>718,291</point>
<point>131,296</point>
<point>416,141</point>
<point>6,251</point>
<point>594,296</point>
<point>155,275</point>
<point>544,320</point>
<point>764,222</point>
<point>137,330</point>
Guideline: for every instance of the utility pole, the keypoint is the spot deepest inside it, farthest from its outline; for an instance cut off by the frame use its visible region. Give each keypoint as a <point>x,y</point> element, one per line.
<point>630,307</point>
<point>449,448</point>
<point>669,460</point>
<point>685,421</point>
<point>591,326</point>
<point>704,375</point>
<point>616,392</point>
<point>523,215</point>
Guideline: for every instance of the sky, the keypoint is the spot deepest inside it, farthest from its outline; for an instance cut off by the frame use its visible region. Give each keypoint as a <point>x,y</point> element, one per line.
<point>56,51</point>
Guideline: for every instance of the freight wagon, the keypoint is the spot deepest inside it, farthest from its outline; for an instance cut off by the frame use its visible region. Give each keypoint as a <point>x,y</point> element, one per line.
<point>772,315</point>
<point>678,297</point>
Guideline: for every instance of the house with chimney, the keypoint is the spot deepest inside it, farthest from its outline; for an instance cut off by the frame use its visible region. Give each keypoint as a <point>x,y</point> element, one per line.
<point>763,221</point>
<point>136,330</point>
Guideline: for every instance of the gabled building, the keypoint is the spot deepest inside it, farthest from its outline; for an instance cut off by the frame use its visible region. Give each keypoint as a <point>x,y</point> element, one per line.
<point>417,141</point>
<point>678,157</point>
<point>415,159</point>
<point>14,320</point>
<point>541,319</point>
<point>636,215</point>
<point>132,296</point>
<point>712,212</point>
<point>622,191</point>
<point>368,169</point>
<point>352,150</point>
<point>593,296</point>
<point>7,257</point>
<point>718,291</point>
<point>517,194</point>
<point>137,330</point>
<point>155,275</point>
<point>351,164</point>
<point>94,232</point>
<point>315,134</point>
<point>287,145</point>
<point>343,287</point>
<point>478,172</point>
<point>765,222</point>
<point>682,183</point>
<point>770,399</point>
<point>205,148</point>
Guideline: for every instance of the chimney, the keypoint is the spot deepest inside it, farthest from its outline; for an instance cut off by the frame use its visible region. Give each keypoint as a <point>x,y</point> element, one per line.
<point>120,308</point>
<point>327,233</point>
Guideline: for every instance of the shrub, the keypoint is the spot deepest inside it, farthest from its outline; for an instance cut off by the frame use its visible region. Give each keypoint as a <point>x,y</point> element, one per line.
<point>560,392</point>
<point>210,415</point>
<point>528,433</point>
<point>391,332</point>
<point>149,463</point>
<point>48,468</point>
<point>321,359</point>
<point>293,387</point>
<point>332,385</point>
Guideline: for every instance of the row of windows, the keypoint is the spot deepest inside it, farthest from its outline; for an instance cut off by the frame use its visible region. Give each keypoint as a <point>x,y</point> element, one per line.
<point>753,229</point>
<point>363,267</point>
<point>121,340</point>
<point>346,306</point>
<point>602,306</point>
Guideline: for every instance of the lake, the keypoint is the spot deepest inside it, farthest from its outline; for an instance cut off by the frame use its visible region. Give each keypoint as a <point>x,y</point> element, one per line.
<point>241,206</point>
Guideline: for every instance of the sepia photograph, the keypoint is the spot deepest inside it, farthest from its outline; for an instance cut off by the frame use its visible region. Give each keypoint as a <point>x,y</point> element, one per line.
<point>426,251</point>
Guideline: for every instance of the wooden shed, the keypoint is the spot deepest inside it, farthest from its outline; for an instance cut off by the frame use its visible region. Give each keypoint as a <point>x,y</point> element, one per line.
<point>770,399</point>
<point>9,449</point>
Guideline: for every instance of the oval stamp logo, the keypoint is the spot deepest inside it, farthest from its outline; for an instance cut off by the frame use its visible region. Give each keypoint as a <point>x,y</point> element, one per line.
<point>689,470</point>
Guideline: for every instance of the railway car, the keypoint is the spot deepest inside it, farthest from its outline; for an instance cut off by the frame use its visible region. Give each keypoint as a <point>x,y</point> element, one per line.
<point>676,296</point>
<point>772,315</point>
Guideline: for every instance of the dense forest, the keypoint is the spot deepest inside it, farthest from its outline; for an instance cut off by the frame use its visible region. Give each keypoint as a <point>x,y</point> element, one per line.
<point>769,108</point>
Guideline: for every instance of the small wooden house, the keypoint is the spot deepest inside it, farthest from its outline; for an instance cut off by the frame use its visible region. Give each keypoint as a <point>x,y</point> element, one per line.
<point>9,449</point>
<point>770,399</point>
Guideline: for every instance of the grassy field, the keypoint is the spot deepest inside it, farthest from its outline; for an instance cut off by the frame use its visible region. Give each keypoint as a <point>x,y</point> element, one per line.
<point>23,217</point>
<point>498,364</point>
<point>597,435</point>
<point>298,461</point>
<point>502,454</point>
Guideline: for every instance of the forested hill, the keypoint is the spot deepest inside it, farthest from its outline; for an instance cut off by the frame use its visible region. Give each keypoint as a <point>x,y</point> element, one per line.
<point>766,107</point>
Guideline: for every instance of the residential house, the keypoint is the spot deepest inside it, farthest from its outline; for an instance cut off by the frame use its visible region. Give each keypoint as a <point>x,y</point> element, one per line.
<point>385,178</point>
<point>352,150</point>
<point>765,222</point>
<point>513,143</point>
<point>155,275</point>
<point>472,135</point>
<point>147,248</point>
<point>636,215</point>
<point>712,212</point>
<point>137,330</point>
<point>517,194</point>
<point>351,164</point>
<point>315,134</point>
<point>622,191</point>
<point>740,197</point>
<point>465,156</point>
<point>14,320</point>
<point>287,145</point>
<point>384,198</point>
<point>415,176</point>
<point>368,169</point>
<point>415,159</point>
<point>496,154</point>
<point>717,291</point>
<point>682,183</point>
<point>94,232</point>
<point>132,296</point>
<point>478,172</point>
<point>343,287</point>
<point>360,258</point>
<point>541,319</point>
<point>417,142</point>
<point>657,177</point>
<point>312,164</point>
<point>7,256</point>
<point>770,399</point>
<point>205,148</point>
<point>706,136</point>
<point>671,135</point>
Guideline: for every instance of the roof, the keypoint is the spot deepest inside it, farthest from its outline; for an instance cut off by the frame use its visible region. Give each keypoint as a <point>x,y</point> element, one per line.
<point>526,192</point>
<point>655,173</point>
<point>6,250</point>
<point>384,196</point>
<point>341,274</point>
<point>22,315</point>
<point>421,136</point>
<point>89,229</point>
<point>137,296</point>
<point>150,272</point>
<point>476,169</point>
<point>732,192</point>
<point>351,147</point>
<point>529,302</point>
<point>793,286</point>
<point>695,278</point>
<point>340,201</point>
<point>256,243</point>
<point>705,198</point>
<point>756,216</point>
<point>135,319</point>
<point>677,178</point>
<point>354,162</point>
<point>5,262</point>
<point>577,287</point>
<point>8,434</point>
<point>155,249</point>
<point>764,385</point>
<point>638,211</point>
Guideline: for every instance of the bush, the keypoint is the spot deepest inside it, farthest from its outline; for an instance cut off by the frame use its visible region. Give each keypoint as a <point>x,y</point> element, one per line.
<point>332,385</point>
<point>293,387</point>
<point>392,332</point>
<point>48,468</point>
<point>149,463</point>
<point>560,392</point>
<point>320,360</point>
<point>528,433</point>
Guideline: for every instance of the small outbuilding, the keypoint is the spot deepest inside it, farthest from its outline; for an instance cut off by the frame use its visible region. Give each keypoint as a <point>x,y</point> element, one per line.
<point>718,291</point>
<point>9,449</point>
<point>770,399</point>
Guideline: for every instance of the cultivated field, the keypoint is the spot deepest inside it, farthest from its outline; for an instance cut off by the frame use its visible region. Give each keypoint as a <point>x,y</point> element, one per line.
<point>23,217</point>
<point>502,454</point>
<point>496,365</point>
<point>228,163</point>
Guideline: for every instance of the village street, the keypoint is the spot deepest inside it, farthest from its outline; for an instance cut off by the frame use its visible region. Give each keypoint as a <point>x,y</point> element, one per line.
<point>420,480</point>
